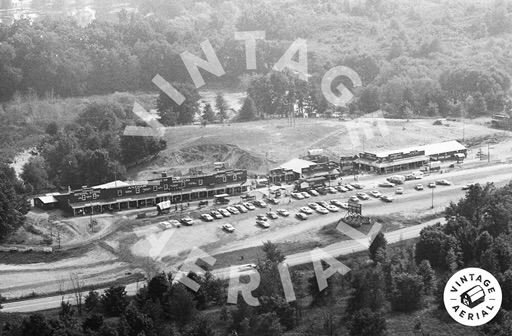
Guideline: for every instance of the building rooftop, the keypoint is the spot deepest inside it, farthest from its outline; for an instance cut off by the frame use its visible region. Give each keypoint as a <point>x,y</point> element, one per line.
<point>297,165</point>
<point>430,149</point>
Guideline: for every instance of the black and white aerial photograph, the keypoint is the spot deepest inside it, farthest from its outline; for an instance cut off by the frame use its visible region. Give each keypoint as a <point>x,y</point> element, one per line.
<point>255,167</point>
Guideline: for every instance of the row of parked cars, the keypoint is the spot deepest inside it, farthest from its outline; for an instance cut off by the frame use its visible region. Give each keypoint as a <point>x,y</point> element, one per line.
<point>327,190</point>
<point>174,223</point>
<point>321,207</point>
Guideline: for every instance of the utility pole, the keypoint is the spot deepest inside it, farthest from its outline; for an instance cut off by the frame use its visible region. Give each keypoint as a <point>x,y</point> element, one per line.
<point>268,174</point>
<point>463,125</point>
<point>432,198</point>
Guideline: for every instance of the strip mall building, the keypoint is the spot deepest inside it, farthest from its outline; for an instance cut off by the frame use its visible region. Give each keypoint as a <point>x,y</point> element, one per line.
<point>121,195</point>
<point>386,162</point>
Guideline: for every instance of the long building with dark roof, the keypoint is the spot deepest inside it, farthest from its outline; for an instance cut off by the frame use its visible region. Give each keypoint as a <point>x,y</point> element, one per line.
<point>124,195</point>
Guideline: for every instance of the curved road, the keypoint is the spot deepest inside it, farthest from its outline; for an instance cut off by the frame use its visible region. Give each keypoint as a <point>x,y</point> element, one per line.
<point>410,202</point>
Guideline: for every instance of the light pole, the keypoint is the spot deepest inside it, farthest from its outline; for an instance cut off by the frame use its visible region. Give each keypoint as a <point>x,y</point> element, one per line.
<point>432,198</point>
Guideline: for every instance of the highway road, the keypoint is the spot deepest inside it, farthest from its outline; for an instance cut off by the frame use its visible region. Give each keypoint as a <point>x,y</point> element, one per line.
<point>410,202</point>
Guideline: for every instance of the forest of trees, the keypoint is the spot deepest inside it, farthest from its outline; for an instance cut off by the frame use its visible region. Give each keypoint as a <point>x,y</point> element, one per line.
<point>394,280</point>
<point>90,151</point>
<point>410,64</point>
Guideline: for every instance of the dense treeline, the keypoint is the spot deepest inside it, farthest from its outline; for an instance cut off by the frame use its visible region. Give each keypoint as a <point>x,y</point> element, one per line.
<point>393,281</point>
<point>412,62</point>
<point>13,203</point>
<point>89,151</point>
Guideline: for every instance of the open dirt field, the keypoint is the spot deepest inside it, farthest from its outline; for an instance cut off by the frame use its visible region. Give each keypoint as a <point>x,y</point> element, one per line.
<point>245,145</point>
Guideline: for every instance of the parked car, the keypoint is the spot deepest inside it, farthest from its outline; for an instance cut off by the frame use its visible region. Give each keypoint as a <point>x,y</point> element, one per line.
<point>260,204</point>
<point>331,190</point>
<point>306,210</point>
<point>283,212</point>
<point>301,216</point>
<point>262,218</point>
<point>341,189</point>
<point>344,206</point>
<point>432,185</point>
<point>187,221</point>
<point>313,205</point>
<point>322,203</point>
<point>313,192</point>
<point>263,224</point>
<point>233,210</point>
<point>305,194</point>
<point>228,227</point>
<point>443,182</point>
<point>240,208</point>
<point>272,215</point>
<point>387,198</point>
<point>298,196</point>
<point>249,206</point>
<point>353,199</point>
<point>224,212</point>
<point>363,196</point>
<point>169,224</point>
<point>321,191</point>
<point>399,191</point>
<point>357,185</point>
<point>349,187</point>
<point>216,214</point>
<point>338,203</point>
<point>386,184</point>
<point>419,187</point>
<point>332,208</point>
<point>274,201</point>
<point>322,210</point>
<point>375,193</point>
<point>207,218</point>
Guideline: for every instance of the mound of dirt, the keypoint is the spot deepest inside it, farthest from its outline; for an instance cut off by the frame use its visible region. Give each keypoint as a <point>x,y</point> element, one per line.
<point>201,156</point>
<point>232,155</point>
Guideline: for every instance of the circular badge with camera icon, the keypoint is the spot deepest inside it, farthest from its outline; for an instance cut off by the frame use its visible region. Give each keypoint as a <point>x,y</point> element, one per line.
<point>472,297</point>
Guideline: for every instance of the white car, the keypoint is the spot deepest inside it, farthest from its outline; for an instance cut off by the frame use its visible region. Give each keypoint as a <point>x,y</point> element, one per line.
<point>331,190</point>
<point>216,214</point>
<point>283,212</point>
<point>344,206</point>
<point>443,182</point>
<point>301,216</point>
<point>228,227</point>
<point>386,184</point>
<point>169,224</point>
<point>375,193</point>
<point>363,196</point>
<point>233,210</point>
<point>313,205</point>
<point>224,212</point>
<point>187,221</point>
<point>241,208</point>
<point>249,206</point>
<point>298,196</point>
<point>332,208</point>
<point>419,187</point>
<point>338,203</point>
<point>272,215</point>
<point>313,193</point>
<point>263,224</point>
<point>306,210</point>
<point>207,218</point>
<point>305,194</point>
<point>322,210</point>
<point>399,191</point>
